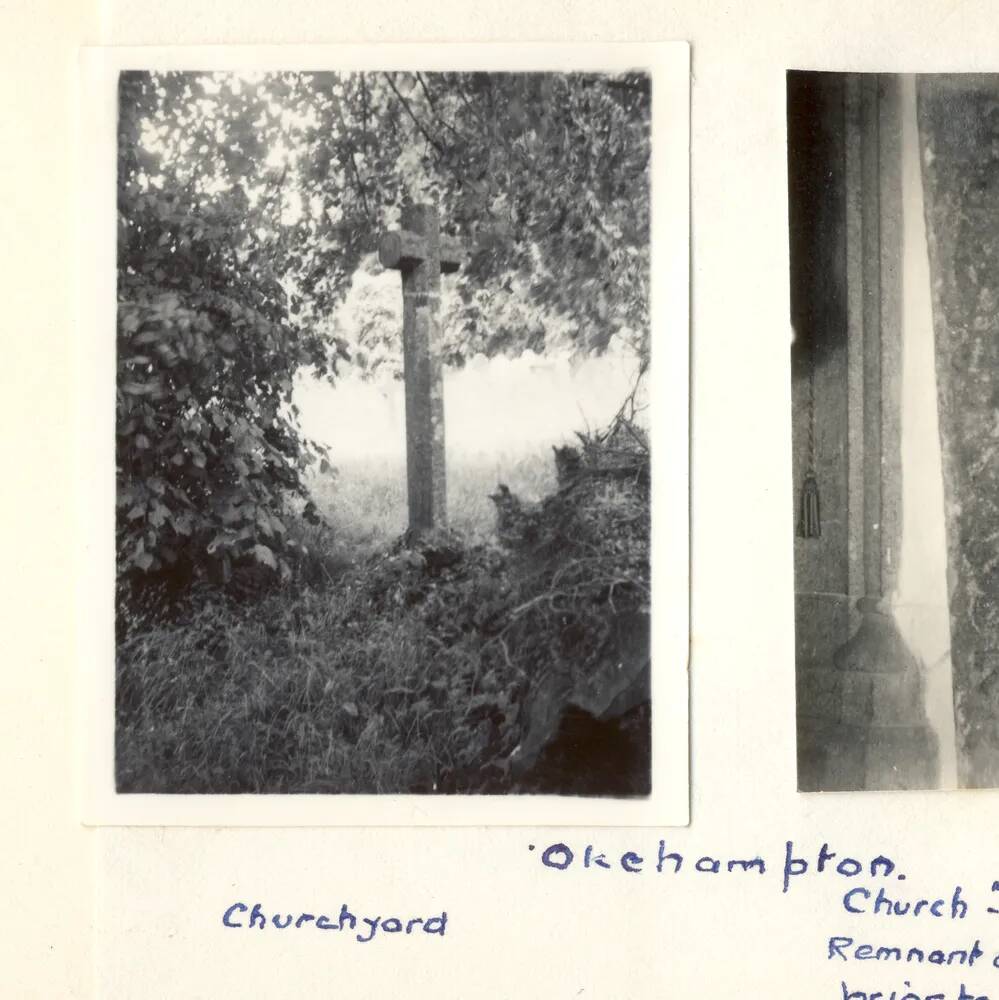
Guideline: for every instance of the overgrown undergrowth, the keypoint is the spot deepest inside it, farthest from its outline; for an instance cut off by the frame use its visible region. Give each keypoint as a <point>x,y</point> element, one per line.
<point>342,688</point>
<point>458,664</point>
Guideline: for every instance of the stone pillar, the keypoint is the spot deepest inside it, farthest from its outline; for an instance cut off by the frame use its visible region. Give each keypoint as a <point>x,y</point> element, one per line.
<point>862,722</point>
<point>419,253</point>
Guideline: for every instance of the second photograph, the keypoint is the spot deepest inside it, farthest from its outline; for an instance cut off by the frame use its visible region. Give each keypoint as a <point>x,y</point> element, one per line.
<point>893,187</point>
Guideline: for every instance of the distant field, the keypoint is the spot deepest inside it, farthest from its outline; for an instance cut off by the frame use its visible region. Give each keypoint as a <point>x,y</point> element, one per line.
<point>502,417</point>
<point>365,499</point>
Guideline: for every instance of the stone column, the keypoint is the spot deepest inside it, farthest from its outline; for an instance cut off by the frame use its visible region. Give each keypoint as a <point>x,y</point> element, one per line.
<point>420,255</point>
<point>864,719</point>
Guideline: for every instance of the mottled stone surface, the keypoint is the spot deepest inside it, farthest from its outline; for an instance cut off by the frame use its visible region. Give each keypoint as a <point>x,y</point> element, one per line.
<point>822,623</point>
<point>417,253</point>
<point>959,135</point>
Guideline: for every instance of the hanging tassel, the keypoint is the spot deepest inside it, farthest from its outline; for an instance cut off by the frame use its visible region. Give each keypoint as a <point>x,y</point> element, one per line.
<point>811,522</point>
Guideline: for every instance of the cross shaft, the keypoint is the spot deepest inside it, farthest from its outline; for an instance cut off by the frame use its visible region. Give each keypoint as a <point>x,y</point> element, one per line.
<point>420,254</point>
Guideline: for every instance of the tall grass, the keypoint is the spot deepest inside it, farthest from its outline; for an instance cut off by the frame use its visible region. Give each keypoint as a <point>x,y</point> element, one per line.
<point>341,686</point>
<point>286,695</point>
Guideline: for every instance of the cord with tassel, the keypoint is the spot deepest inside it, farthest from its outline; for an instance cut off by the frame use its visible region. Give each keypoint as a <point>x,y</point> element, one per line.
<point>810,523</point>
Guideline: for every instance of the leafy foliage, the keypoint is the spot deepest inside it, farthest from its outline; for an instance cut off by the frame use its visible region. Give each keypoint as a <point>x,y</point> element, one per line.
<point>547,174</point>
<point>249,205</point>
<point>207,441</point>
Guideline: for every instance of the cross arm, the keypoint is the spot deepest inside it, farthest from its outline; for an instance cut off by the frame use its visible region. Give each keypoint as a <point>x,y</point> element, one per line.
<point>401,250</point>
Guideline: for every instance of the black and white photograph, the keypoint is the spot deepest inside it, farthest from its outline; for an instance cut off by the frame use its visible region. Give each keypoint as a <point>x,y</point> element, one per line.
<point>384,448</point>
<point>894,234</point>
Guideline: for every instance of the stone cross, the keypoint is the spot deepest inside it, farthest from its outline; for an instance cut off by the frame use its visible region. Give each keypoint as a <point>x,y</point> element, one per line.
<point>421,254</point>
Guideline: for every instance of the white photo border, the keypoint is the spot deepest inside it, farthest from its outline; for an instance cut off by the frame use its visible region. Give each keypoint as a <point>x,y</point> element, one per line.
<point>668,63</point>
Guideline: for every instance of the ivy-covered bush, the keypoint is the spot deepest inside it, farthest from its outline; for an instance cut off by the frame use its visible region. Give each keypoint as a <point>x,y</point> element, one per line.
<point>208,450</point>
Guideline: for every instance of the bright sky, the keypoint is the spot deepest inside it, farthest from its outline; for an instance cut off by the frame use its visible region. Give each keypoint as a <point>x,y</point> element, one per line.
<point>498,405</point>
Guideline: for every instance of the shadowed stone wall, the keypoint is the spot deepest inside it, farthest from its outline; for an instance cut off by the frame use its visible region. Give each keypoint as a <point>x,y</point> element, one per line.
<point>817,195</point>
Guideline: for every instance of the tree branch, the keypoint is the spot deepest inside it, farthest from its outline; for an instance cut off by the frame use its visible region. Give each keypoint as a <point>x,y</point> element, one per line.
<point>433,107</point>
<point>416,121</point>
<point>360,186</point>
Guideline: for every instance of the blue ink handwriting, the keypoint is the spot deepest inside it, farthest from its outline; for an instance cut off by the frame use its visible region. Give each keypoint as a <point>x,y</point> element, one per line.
<point>239,916</point>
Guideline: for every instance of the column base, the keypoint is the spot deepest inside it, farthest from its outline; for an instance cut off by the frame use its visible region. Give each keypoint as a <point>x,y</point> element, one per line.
<point>862,724</point>
<point>877,646</point>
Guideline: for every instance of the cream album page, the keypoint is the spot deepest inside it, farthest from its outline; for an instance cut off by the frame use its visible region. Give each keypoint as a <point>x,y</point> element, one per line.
<point>501,500</point>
